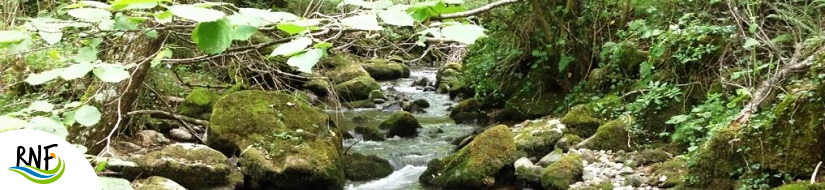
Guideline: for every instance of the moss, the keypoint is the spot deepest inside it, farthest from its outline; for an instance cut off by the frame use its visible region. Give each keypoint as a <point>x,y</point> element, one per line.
<point>361,104</point>
<point>674,170</point>
<point>157,183</point>
<point>346,72</point>
<point>319,87</point>
<point>580,121</point>
<point>198,103</point>
<point>422,103</point>
<point>568,141</point>
<point>610,136</point>
<point>537,137</point>
<point>193,166</point>
<point>649,156</point>
<point>283,141</point>
<point>381,69</point>
<point>359,167</point>
<point>460,89</point>
<point>715,159</point>
<point>402,124</point>
<point>531,103</point>
<point>370,133</point>
<point>562,174</point>
<point>236,88</point>
<point>376,94</point>
<point>466,111</point>
<point>357,89</point>
<point>802,186</point>
<point>476,164</point>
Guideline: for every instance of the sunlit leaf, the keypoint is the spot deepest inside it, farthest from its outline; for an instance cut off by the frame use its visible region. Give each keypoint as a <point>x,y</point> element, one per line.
<point>165,53</point>
<point>454,1</point>
<point>136,4</point>
<point>48,125</point>
<point>164,17</point>
<point>40,78</point>
<point>397,17</point>
<point>292,47</point>
<point>96,4</point>
<point>196,14</point>
<point>76,71</point>
<point>243,32</point>
<point>11,123</point>
<point>86,55</point>
<point>750,42</point>
<point>41,106</point>
<point>11,36</point>
<point>362,22</point>
<point>123,22</point>
<point>464,33</point>
<point>111,73</point>
<point>213,37</point>
<point>90,14</point>
<point>305,61</point>
<point>51,38</point>
<point>292,28</point>
<point>87,115</point>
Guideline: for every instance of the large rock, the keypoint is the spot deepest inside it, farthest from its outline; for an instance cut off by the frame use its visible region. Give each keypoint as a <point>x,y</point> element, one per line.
<point>347,72</point>
<point>580,121</point>
<point>562,174</point>
<point>358,88</point>
<point>467,111</point>
<point>193,166</point>
<point>610,136</point>
<point>283,142</point>
<point>381,69</point>
<point>477,164</point>
<point>538,137</point>
<point>157,183</point>
<point>359,167</point>
<point>318,87</point>
<point>108,183</point>
<point>198,103</point>
<point>370,133</point>
<point>402,124</point>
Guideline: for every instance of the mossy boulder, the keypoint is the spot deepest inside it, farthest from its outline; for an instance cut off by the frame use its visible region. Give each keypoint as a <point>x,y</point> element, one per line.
<point>318,87</point>
<point>477,164</point>
<point>568,141</point>
<point>538,137</point>
<point>283,142</point>
<point>157,183</point>
<point>376,94</point>
<point>370,133</point>
<point>673,171</point>
<point>560,175</point>
<point>580,121</point>
<point>199,103</point>
<point>193,166</point>
<point>422,103</point>
<point>381,69</point>
<point>361,104</point>
<point>610,136</point>
<point>802,186</point>
<point>530,103</point>
<point>402,124</point>
<point>358,88</point>
<point>346,72</point>
<point>467,111</point>
<point>359,167</point>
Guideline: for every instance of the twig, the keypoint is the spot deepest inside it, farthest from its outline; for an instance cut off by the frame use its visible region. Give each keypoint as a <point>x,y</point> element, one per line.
<point>813,176</point>
<point>474,11</point>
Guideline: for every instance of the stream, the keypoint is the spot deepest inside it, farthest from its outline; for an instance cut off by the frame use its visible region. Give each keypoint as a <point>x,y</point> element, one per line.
<point>408,156</point>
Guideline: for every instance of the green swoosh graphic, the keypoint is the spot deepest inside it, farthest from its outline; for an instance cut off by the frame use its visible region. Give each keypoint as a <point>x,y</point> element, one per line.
<point>49,180</point>
<point>52,171</point>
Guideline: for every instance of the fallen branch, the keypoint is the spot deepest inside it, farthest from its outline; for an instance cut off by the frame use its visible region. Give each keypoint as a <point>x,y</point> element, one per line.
<point>170,115</point>
<point>813,176</point>
<point>475,11</point>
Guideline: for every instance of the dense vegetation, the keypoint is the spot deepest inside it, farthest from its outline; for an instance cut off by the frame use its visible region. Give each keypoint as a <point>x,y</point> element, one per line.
<point>730,91</point>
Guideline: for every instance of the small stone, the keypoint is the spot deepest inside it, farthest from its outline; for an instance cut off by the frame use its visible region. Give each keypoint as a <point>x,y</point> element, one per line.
<point>663,178</point>
<point>550,158</point>
<point>152,137</point>
<point>379,101</point>
<point>588,175</point>
<point>635,180</point>
<point>181,134</point>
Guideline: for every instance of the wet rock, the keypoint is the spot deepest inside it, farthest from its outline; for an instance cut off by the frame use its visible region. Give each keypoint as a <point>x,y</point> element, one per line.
<point>413,108</point>
<point>422,103</point>
<point>538,137</point>
<point>361,119</point>
<point>393,107</point>
<point>114,183</point>
<point>562,174</point>
<point>361,104</point>
<point>193,166</point>
<point>429,89</point>
<point>346,72</point>
<point>283,142</point>
<point>116,164</point>
<point>157,183</point>
<point>402,124</point>
<point>152,137</point>
<point>477,164</point>
<point>610,136</point>
<point>382,69</point>
<point>198,103</point>
<point>379,101</point>
<point>377,94</point>
<point>580,121</point>
<point>359,167</point>
<point>525,169</point>
<point>357,89</point>
<point>319,87</point>
<point>551,158</point>
<point>423,82</point>
<point>181,134</point>
<point>370,133</point>
<point>467,111</point>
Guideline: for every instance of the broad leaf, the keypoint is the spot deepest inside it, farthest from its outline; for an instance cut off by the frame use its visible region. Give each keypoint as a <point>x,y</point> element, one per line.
<point>91,14</point>
<point>243,33</point>
<point>48,125</point>
<point>40,78</point>
<point>111,73</point>
<point>750,42</point>
<point>305,61</point>
<point>397,17</point>
<point>362,22</point>
<point>123,22</point>
<point>196,14</point>
<point>41,106</point>
<point>136,4</point>
<point>96,4</point>
<point>86,55</point>
<point>76,71</point>
<point>213,37</point>
<point>165,53</point>
<point>464,33</point>
<point>292,47</point>
<point>454,1</point>
<point>87,115</point>
<point>51,38</point>
<point>164,17</point>
<point>267,15</point>
<point>11,123</point>
<point>564,61</point>
<point>11,36</point>
<point>292,28</point>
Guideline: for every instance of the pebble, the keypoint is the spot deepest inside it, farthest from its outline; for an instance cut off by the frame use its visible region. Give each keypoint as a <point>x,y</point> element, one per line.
<point>181,134</point>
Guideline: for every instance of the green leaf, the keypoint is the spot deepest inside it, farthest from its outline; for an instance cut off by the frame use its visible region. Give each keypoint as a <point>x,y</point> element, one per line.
<point>464,33</point>
<point>564,61</point>
<point>397,17</point>
<point>123,22</point>
<point>362,22</point>
<point>111,73</point>
<point>95,4</point>
<point>213,37</point>
<point>48,125</point>
<point>292,47</point>
<point>645,69</point>
<point>243,33</point>
<point>86,55</point>
<point>164,17</point>
<point>51,38</point>
<point>323,45</point>
<point>267,15</point>
<point>10,123</point>
<point>68,118</point>
<point>91,14</point>
<point>454,1</point>
<point>196,14</point>
<point>677,119</point>
<point>87,115</point>
<point>136,4</point>
<point>41,106</point>
<point>11,36</point>
<point>750,42</point>
<point>292,28</point>
<point>40,78</point>
<point>163,54</point>
<point>76,71</point>
<point>305,61</point>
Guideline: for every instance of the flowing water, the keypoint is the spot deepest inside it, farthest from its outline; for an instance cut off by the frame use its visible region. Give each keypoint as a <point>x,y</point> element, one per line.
<point>408,156</point>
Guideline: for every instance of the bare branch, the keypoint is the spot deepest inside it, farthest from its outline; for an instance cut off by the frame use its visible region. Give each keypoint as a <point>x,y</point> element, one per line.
<point>475,11</point>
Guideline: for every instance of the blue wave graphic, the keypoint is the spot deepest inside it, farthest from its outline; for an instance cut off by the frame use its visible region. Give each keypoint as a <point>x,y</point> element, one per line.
<point>31,172</point>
